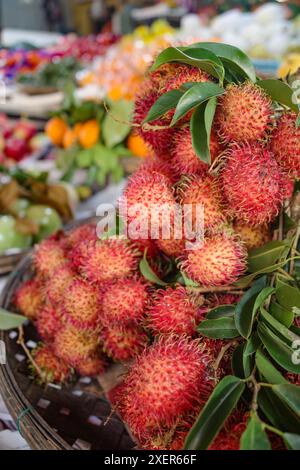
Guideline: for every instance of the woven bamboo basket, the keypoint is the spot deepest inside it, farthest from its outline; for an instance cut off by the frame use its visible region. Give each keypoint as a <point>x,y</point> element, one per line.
<point>75,416</point>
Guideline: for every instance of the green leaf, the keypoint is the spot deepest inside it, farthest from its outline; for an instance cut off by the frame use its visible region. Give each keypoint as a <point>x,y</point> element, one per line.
<point>231,56</point>
<point>245,308</point>
<point>250,348</point>
<point>289,394</point>
<point>237,365</point>
<point>9,320</point>
<point>266,368</point>
<point>222,401</point>
<point>277,412</point>
<point>197,94</point>
<point>117,123</point>
<point>188,282</point>
<point>200,125</point>
<point>163,104</point>
<point>281,352</point>
<point>201,58</point>
<point>148,272</point>
<point>221,328</point>
<point>246,280</point>
<point>292,440</point>
<point>280,92</point>
<point>265,256</point>
<point>283,315</point>
<point>221,312</point>
<point>254,437</point>
<point>278,327</point>
<point>297,124</point>
<point>288,296</point>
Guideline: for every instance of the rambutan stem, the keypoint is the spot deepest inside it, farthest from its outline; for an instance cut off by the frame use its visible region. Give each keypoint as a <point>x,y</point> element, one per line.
<point>120,121</point>
<point>221,354</point>
<point>272,429</point>
<point>21,342</point>
<point>207,290</point>
<point>294,249</point>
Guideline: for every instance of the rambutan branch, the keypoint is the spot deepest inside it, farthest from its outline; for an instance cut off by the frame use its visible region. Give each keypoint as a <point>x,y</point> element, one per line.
<point>294,249</point>
<point>21,342</point>
<point>208,290</point>
<point>221,354</point>
<point>120,121</point>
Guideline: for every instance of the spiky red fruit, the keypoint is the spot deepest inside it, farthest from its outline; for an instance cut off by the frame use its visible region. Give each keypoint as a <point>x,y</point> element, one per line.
<point>169,380</point>
<point>229,437</point>
<point>171,247</point>
<point>285,144</point>
<point>253,237</point>
<point>91,366</point>
<point>59,282</point>
<point>157,165</point>
<point>148,195</point>
<point>81,305</point>
<point>205,192</point>
<point>48,256</point>
<point>252,184</point>
<point>74,346</point>
<point>29,298</point>
<point>124,302</point>
<point>182,74</point>
<point>220,261</point>
<point>48,323</point>
<point>107,260</point>
<point>123,343</point>
<point>244,113</point>
<point>84,232</point>
<point>185,161</point>
<point>173,311</point>
<point>50,368</point>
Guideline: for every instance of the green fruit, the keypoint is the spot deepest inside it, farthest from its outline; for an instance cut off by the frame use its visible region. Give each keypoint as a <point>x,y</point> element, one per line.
<point>9,237</point>
<point>46,218</point>
<point>20,206</point>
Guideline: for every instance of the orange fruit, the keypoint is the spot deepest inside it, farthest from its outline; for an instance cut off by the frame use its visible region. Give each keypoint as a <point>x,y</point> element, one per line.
<point>69,138</point>
<point>115,93</point>
<point>137,146</point>
<point>89,134</point>
<point>77,128</point>
<point>55,130</point>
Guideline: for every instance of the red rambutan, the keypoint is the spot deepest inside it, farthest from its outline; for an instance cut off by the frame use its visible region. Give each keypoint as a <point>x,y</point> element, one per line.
<point>75,346</point>
<point>168,380</point>
<point>285,144</point>
<point>220,261</point>
<point>123,343</point>
<point>48,256</point>
<point>124,302</point>
<point>59,282</point>
<point>171,247</point>
<point>50,368</point>
<point>205,192</point>
<point>48,323</point>
<point>252,184</point>
<point>157,165</point>
<point>91,366</point>
<point>29,298</point>
<point>81,305</point>
<point>181,74</point>
<point>253,237</point>
<point>86,232</point>
<point>107,260</point>
<point>243,113</point>
<point>173,311</point>
<point>229,437</point>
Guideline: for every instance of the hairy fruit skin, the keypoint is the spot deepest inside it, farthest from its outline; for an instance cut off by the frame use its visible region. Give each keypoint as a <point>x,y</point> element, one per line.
<point>253,237</point>
<point>252,184</point>
<point>244,113</point>
<point>74,346</point>
<point>91,366</point>
<point>285,144</point>
<point>81,305</point>
<point>124,302</point>
<point>53,369</point>
<point>59,282</point>
<point>48,256</point>
<point>171,247</point>
<point>173,311</point>
<point>83,232</point>
<point>219,262</point>
<point>123,343</point>
<point>107,260</point>
<point>147,403</point>
<point>48,323</point>
<point>29,298</point>
<point>158,165</point>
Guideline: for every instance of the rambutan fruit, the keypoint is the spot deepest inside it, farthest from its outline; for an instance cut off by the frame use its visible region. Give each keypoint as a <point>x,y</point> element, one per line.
<point>124,302</point>
<point>158,165</point>
<point>185,161</point>
<point>168,380</point>
<point>173,311</point>
<point>29,298</point>
<point>185,74</point>
<point>123,343</point>
<point>48,256</point>
<point>220,261</point>
<point>252,183</point>
<point>86,232</point>
<point>75,346</point>
<point>287,186</point>
<point>229,437</point>
<point>59,282</point>
<point>285,144</point>
<point>107,260</point>
<point>48,323</point>
<point>81,305</point>
<point>50,368</point>
<point>253,237</point>
<point>171,247</point>
<point>91,366</point>
<point>205,192</point>
<point>147,244</point>
<point>243,113</point>
<point>146,199</point>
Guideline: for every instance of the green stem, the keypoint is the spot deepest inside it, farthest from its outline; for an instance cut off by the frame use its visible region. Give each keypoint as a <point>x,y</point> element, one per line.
<point>272,429</point>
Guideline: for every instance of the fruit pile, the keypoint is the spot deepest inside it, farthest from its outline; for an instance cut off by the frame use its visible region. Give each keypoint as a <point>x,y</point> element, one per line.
<point>17,140</point>
<point>208,329</point>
